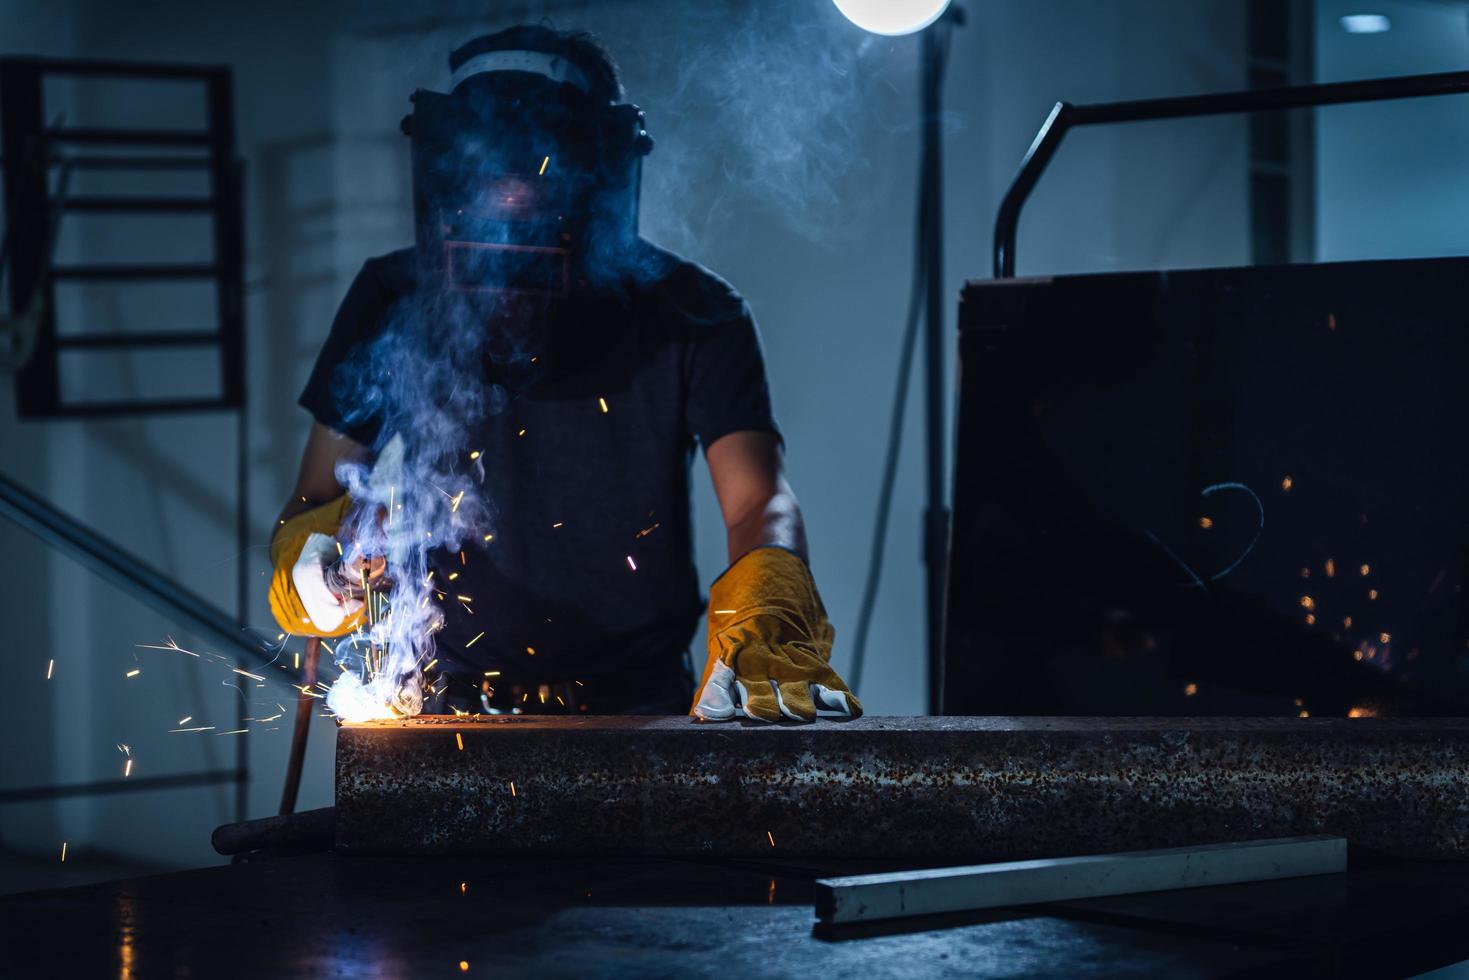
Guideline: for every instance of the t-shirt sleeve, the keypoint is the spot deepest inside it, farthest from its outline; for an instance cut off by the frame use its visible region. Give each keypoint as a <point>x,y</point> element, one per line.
<point>358,321</point>
<point>727,388</point>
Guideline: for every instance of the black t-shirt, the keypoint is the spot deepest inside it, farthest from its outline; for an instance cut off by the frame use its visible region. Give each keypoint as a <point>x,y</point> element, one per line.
<point>591,561</point>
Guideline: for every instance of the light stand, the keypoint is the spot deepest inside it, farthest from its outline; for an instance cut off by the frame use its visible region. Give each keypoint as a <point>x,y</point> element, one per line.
<point>935,18</point>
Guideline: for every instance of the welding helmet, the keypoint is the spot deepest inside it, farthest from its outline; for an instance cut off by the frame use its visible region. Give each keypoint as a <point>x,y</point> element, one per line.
<point>525,184</point>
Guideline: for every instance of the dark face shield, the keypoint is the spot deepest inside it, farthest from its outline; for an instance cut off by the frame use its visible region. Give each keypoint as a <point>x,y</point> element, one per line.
<point>523,189</point>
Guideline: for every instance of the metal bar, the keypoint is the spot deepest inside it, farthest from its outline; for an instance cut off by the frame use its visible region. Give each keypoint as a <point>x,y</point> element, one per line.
<point>124,203</point>
<point>903,894</point>
<point>97,134</point>
<point>152,338</point>
<point>136,162</point>
<point>932,788</point>
<point>308,830</point>
<point>165,406</point>
<point>936,514</point>
<point>138,579</point>
<point>111,787</point>
<point>302,729</point>
<point>1064,116</point>
<point>142,69</point>
<point>139,270</point>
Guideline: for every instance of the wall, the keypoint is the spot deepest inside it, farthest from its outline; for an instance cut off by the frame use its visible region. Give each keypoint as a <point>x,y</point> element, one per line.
<point>785,161</point>
<point>1390,175</point>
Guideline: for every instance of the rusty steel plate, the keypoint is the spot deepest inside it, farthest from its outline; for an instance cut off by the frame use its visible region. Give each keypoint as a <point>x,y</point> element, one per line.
<point>898,787</point>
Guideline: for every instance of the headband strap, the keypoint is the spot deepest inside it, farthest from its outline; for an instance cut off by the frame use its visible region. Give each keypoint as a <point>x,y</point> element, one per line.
<point>551,66</point>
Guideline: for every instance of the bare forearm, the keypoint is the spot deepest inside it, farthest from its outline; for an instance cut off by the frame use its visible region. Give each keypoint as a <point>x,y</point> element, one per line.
<point>776,522</point>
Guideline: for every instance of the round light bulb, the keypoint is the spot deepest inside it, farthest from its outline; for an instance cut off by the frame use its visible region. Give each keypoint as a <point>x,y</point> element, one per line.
<point>892,17</point>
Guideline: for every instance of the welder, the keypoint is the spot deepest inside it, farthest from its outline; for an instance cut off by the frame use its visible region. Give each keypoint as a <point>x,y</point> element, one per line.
<point>601,364</point>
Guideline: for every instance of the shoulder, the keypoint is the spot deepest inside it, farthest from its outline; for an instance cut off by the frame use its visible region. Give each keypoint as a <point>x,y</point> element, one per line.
<point>685,293</point>
<point>390,275</point>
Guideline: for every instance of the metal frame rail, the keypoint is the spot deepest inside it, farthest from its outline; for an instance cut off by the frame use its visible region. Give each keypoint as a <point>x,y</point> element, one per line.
<point>31,150</point>
<point>1064,116</point>
<point>155,590</point>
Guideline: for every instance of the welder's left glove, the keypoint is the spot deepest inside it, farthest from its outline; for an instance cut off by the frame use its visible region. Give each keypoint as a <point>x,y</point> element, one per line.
<point>769,644</point>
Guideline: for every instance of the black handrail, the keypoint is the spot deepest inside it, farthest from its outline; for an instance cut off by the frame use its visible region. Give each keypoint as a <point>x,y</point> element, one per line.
<point>140,580</point>
<point>1064,116</point>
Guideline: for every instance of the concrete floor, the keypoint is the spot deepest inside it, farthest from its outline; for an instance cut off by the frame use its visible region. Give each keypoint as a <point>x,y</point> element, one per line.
<point>331,916</point>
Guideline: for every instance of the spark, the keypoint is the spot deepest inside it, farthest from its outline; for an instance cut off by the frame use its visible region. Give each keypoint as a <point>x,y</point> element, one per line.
<point>1330,568</point>
<point>512,787</point>
<point>246,673</point>
<point>170,644</point>
<point>392,491</point>
<point>206,728</point>
<point>454,506</point>
<point>557,524</point>
<point>649,530</point>
<point>1286,484</point>
<point>603,402</point>
<point>297,657</point>
<point>1206,522</point>
<point>462,559</point>
<point>453,576</point>
<point>544,162</point>
<point>559,701</point>
<point>459,740</point>
<point>339,550</point>
<point>492,673</point>
<point>463,887</point>
<point>531,651</point>
<point>127,769</point>
<point>472,642</point>
<point>63,852</point>
<point>463,598</point>
<point>430,664</point>
<point>724,612</point>
<point>1307,602</point>
<point>1190,690</point>
<point>1362,711</point>
<point>632,564</point>
<point>50,668</point>
<point>521,432</point>
<point>134,672</point>
<point>184,720</point>
<point>463,966</point>
<point>489,537</point>
<point>474,455</point>
<point>1305,713</point>
<point>772,838</point>
<point>237,731</point>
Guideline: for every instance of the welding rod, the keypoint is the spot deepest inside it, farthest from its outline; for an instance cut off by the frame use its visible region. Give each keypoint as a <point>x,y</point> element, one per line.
<point>895,895</point>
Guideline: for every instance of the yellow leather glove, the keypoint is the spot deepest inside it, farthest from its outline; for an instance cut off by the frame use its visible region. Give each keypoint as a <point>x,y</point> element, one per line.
<point>769,644</point>
<point>300,552</point>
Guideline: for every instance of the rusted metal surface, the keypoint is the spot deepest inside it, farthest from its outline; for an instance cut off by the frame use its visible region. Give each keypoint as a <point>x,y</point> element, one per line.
<point>919,788</point>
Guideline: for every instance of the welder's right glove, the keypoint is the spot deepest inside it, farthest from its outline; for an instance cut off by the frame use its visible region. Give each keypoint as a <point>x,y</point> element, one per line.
<point>309,595</point>
<point>769,644</point>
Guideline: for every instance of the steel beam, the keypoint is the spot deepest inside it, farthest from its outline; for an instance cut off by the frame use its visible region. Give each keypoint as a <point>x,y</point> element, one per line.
<point>932,788</point>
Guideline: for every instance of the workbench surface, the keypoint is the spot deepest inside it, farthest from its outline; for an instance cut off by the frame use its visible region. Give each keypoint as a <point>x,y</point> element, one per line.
<point>328,915</point>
